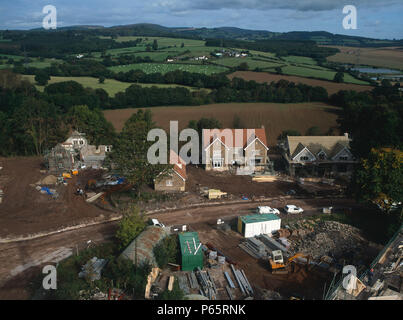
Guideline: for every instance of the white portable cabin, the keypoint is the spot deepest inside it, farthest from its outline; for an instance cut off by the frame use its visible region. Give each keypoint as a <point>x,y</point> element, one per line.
<point>253,225</point>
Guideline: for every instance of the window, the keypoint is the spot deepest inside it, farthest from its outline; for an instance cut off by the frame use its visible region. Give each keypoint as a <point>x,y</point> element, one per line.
<point>343,158</point>
<point>322,156</point>
<point>304,158</point>
<point>217,163</point>
<point>81,141</point>
<point>107,148</point>
<point>169,183</point>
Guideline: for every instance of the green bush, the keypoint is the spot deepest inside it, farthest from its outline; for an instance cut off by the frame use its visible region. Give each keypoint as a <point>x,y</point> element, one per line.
<point>132,224</point>
<point>167,251</point>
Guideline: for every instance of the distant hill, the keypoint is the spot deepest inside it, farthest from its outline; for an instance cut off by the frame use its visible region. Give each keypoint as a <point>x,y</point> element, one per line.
<point>149,29</point>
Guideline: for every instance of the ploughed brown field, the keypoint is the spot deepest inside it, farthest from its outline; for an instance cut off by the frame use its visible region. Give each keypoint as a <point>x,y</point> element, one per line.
<point>275,117</point>
<point>387,57</point>
<point>331,87</point>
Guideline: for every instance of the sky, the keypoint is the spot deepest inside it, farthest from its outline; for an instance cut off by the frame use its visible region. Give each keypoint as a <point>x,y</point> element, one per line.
<point>375,19</point>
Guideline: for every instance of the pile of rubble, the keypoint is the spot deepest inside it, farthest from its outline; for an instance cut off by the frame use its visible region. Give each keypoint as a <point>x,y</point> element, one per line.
<point>329,238</point>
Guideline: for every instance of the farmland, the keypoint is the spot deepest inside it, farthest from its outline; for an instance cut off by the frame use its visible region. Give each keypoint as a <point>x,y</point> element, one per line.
<point>111,86</point>
<point>325,74</point>
<point>276,117</point>
<point>389,57</point>
<point>330,86</point>
<point>167,67</point>
<point>252,63</point>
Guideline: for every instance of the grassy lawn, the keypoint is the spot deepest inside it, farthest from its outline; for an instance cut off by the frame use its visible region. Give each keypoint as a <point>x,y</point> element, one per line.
<point>166,67</point>
<point>110,85</point>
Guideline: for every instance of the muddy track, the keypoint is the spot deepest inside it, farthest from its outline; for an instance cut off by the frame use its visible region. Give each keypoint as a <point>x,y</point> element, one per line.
<point>19,257</point>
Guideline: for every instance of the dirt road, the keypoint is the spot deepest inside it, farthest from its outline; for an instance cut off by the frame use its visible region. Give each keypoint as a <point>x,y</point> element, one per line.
<point>20,261</point>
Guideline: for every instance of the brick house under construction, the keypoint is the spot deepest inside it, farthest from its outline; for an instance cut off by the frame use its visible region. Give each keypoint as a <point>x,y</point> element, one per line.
<point>245,148</point>
<point>59,160</point>
<point>175,179</point>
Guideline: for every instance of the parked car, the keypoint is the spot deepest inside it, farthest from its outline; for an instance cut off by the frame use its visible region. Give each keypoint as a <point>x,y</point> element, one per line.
<point>290,208</point>
<point>266,209</point>
<point>155,222</point>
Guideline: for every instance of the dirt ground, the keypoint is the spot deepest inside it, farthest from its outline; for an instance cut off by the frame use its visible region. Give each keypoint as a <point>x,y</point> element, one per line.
<point>236,185</point>
<point>388,57</point>
<point>331,87</point>
<point>25,210</point>
<point>303,283</point>
<point>276,117</point>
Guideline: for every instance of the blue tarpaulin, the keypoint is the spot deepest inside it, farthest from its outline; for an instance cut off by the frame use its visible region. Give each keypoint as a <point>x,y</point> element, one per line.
<point>47,190</point>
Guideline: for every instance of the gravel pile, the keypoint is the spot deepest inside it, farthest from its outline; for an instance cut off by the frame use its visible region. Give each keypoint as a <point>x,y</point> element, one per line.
<point>330,238</point>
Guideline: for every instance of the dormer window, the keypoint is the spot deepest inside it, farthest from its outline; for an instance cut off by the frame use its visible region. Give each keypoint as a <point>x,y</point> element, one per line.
<point>304,158</point>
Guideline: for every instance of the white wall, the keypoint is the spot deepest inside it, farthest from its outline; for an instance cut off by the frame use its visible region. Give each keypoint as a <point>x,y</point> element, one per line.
<point>265,227</point>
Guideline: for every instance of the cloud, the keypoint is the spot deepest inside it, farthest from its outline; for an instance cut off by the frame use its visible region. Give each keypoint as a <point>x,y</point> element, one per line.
<point>266,5</point>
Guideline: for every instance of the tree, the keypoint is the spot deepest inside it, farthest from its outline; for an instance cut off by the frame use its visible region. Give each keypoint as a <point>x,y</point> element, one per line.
<point>129,153</point>
<point>166,251</point>
<point>175,294</point>
<point>313,131</point>
<point>237,122</point>
<point>278,70</point>
<point>101,79</point>
<point>131,225</point>
<point>93,123</point>
<point>289,132</point>
<point>182,44</point>
<point>338,77</point>
<point>42,78</point>
<point>379,178</point>
<point>155,44</point>
<point>243,66</point>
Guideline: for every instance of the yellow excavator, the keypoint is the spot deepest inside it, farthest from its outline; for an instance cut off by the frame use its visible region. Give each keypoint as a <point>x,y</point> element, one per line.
<point>278,266</point>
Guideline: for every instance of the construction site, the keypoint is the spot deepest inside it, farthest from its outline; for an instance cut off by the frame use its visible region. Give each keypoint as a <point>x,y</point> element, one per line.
<point>229,249</point>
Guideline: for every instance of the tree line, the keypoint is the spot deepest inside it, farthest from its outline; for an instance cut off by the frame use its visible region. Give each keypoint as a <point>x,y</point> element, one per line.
<point>32,122</point>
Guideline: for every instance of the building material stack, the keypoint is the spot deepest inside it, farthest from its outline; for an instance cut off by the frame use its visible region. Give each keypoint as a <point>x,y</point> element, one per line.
<point>242,281</point>
<point>255,248</point>
<point>208,287</point>
<point>272,244</point>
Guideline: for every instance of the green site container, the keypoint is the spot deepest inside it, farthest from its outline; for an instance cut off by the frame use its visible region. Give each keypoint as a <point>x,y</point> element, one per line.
<point>189,245</point>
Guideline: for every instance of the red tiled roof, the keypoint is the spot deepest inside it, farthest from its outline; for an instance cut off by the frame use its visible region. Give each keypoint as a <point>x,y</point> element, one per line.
<point>179,164</point>
<point>241,137</point>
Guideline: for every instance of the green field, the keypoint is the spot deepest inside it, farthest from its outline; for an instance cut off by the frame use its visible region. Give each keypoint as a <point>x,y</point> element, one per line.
<point>252,63</point>
<point>301,60</point>
<point>318,73</point>
<point>167,67</point>
<point>110,85</point>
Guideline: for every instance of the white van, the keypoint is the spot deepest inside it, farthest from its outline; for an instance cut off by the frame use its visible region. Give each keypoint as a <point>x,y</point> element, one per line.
<point>290,208</point>
<point>157,223</point>
<point>266,210</point>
